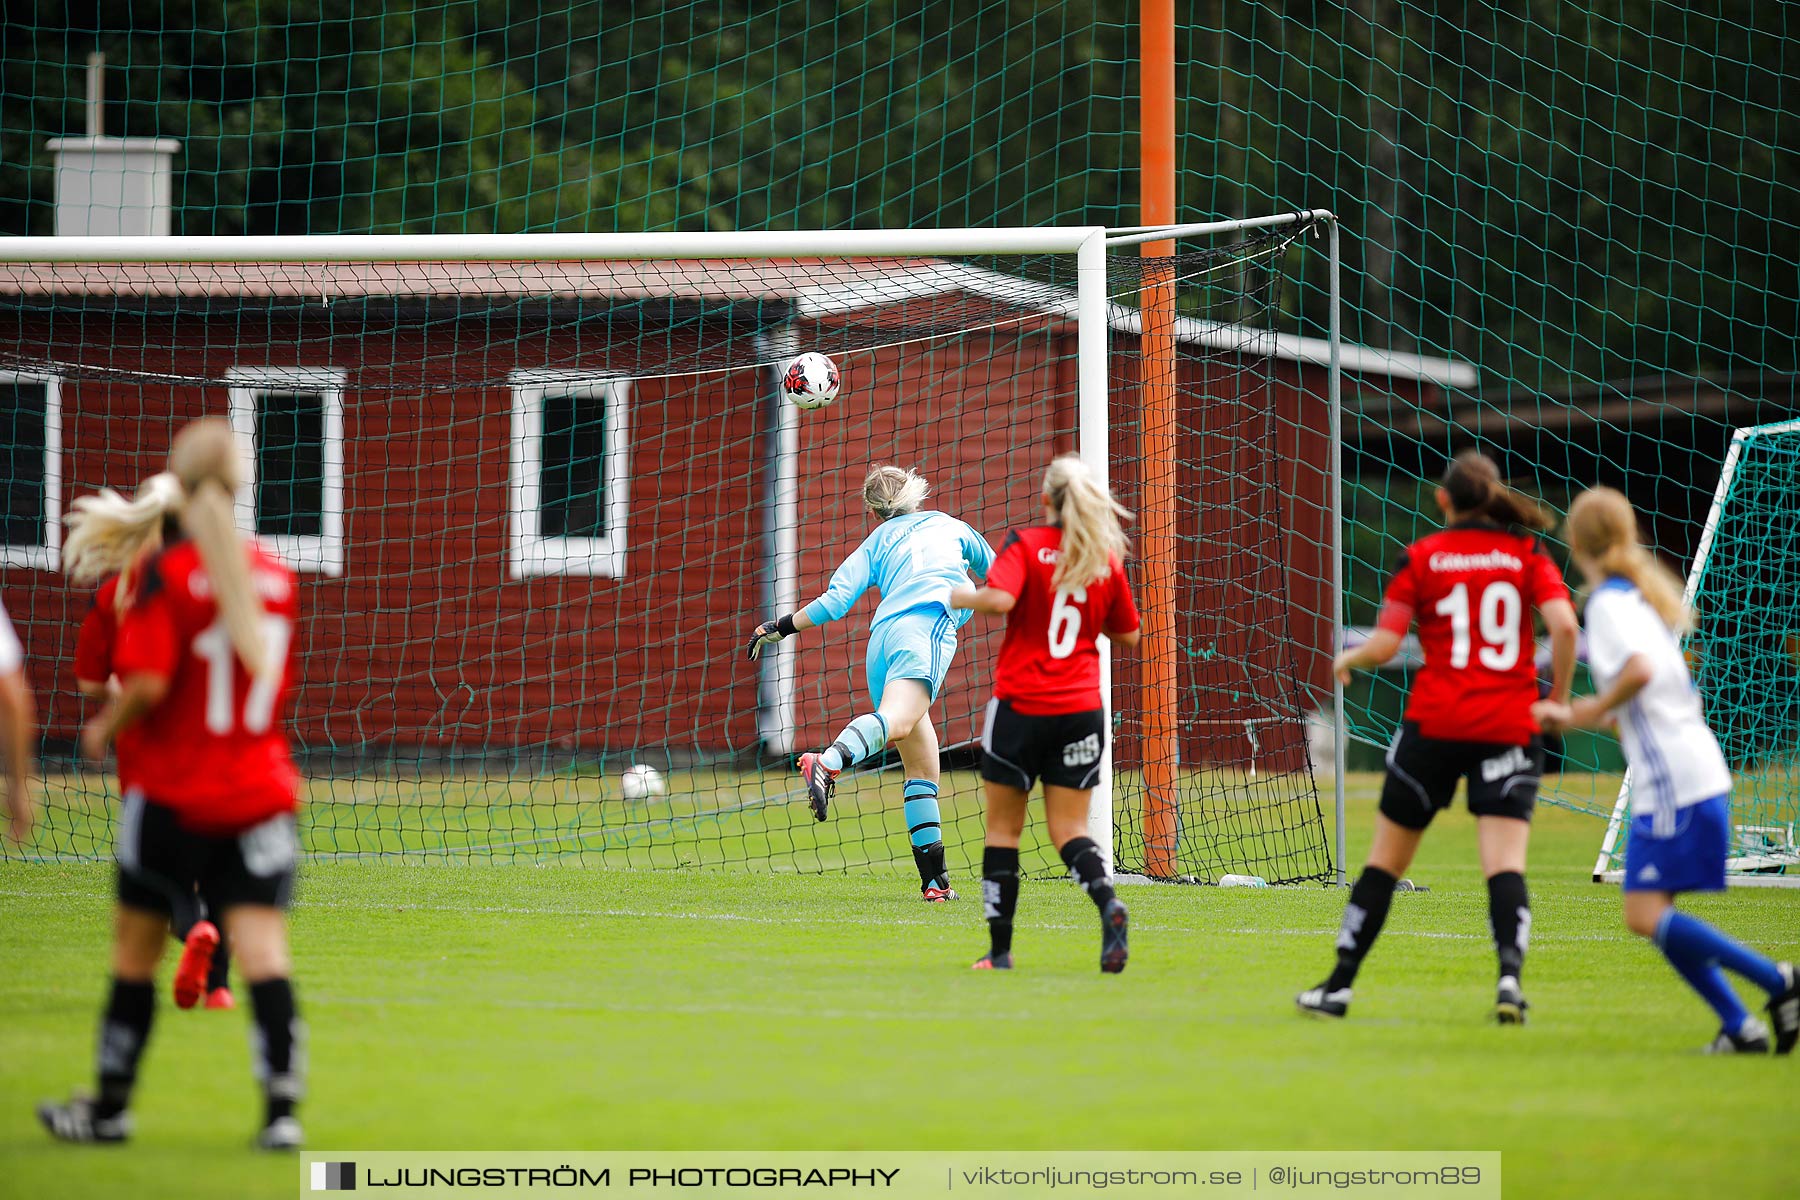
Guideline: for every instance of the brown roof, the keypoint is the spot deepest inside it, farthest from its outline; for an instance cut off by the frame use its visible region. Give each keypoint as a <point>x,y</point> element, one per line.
<point>819,288</point>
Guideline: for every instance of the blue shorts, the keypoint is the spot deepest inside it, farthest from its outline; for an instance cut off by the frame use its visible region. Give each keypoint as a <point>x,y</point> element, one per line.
<point>1692,859</point>
<point>914,645</point>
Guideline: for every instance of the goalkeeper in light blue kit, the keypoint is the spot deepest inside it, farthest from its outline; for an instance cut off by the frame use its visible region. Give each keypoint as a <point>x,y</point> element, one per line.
<point>1681,786</point>
<point>913,559</point>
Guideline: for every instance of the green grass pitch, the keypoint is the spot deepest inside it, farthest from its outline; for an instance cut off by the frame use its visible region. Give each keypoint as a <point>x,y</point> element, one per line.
<point>570,1007</point>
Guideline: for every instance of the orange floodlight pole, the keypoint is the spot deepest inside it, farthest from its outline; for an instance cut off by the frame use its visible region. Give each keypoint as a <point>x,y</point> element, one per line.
<point>1157,431</point>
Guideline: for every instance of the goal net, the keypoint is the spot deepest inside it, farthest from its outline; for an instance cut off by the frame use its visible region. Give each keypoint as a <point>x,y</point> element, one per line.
<point>539,490</point>
<point>1744,589</point>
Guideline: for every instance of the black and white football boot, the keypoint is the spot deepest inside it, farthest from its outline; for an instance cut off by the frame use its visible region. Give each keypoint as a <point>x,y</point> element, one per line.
<point>1784,1010</point>
<point>1321,1001</point>
<point>1509,1002</point>
<point>1752,1037</point>
<point>283,1133</point>
<point>76,1121</point>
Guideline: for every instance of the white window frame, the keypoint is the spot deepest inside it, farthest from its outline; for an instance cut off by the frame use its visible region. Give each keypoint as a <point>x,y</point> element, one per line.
<point>321,553</point>
<point>529,553</point>
<point>45,556</point>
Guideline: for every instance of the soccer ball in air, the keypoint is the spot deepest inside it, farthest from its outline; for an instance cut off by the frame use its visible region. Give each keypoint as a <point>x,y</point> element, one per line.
<point>810,381</point>
<point>640,782</point>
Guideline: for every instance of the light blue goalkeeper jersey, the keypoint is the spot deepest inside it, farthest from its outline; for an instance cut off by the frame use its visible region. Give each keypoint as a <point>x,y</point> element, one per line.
<point>913,561</point>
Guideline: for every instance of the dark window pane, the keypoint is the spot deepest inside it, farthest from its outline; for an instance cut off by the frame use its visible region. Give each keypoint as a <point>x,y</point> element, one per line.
<point>572,480</point>
<point>22,464</point>
<point>290,463</point>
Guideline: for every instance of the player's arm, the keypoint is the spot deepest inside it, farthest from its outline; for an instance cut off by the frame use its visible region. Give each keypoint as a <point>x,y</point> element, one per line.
<point>1589,712</point>
<point>1594,712</point>
<point>1390,628</point>
<point>18,730</point>
<point>1003,577</point>
<point>1611,651</point>
<point>1123,626</point>
<point>1550,593</point>
<point>1377,650</point>
<point>983,600</point>
<point>978,556</point>
<point>93,655</point>
<point>149,649</point>
<point>848,583</point>
<point>1565,632</point>
<point>138,694</point>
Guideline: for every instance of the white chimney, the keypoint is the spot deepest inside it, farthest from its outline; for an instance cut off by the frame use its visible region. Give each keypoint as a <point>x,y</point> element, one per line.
<point>112,185</point>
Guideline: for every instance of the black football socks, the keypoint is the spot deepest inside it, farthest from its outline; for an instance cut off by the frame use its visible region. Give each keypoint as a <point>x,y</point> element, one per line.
<point>1000,894</point>
<point>1364,915</point>
<point>124,1031</point>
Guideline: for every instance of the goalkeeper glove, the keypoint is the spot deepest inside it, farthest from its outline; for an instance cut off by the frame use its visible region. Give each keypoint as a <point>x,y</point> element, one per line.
<point>768,633</point>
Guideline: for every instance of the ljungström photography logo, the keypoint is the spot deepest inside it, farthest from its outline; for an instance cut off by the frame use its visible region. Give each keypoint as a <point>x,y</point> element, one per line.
<point>334,1177</point>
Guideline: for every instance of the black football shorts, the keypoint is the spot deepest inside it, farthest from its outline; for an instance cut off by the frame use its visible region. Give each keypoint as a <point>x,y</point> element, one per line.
<point>162,865</point>
<point>1422,774</point>
<point>1063,750</point>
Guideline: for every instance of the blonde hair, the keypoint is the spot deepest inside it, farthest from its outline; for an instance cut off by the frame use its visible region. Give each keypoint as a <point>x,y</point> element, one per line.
<point>110,535</point>
<point>1603,528</point>
<point>1089,518</point>
<point>891,491</point>
<point>207,460</point>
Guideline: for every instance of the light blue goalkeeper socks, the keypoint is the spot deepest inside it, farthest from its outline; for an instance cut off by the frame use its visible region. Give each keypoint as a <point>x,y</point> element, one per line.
<point>922,818</point>
<point>861,738</point>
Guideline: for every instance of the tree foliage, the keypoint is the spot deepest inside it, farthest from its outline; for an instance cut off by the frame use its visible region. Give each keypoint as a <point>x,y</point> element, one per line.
<point>1553,190</point>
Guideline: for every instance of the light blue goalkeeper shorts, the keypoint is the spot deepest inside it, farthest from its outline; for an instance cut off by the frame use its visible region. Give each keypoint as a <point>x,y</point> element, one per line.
<point>918,644</point>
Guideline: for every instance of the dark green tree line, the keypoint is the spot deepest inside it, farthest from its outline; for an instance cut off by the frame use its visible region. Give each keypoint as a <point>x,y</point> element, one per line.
<point>1554,191</point>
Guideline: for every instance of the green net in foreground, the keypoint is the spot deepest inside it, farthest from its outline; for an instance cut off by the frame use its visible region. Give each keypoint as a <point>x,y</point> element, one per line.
<point>1745,651</point>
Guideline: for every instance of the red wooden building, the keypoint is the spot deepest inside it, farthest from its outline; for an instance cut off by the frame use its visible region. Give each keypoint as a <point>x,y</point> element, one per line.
<point>541,505</point>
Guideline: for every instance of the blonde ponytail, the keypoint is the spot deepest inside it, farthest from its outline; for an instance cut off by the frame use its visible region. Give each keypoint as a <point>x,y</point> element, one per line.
<point>894,491</point>
<point>206,459</point>
<point>1603,528</point>
<point>1089,518</point>
<point>107,534</point>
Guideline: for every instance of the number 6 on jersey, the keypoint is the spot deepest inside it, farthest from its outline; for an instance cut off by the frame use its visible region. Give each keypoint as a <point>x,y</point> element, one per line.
<point>1065,622</point>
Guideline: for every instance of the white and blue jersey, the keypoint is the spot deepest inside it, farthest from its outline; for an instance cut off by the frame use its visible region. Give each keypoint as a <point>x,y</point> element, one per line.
<point>1679,779</point>
<point>913,561</point>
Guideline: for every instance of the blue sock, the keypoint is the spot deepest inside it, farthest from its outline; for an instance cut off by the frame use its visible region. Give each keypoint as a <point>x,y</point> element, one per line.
<point>860,739</point>
<point>1694,936</point>
<point>921,809</point>
<point>1686,942</point>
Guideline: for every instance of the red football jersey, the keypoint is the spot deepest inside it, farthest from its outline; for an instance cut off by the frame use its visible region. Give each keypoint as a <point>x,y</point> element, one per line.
<point>1471,590</point>
<point>1049,662</point>
<point>216,748</point>
<point>99,633</point>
